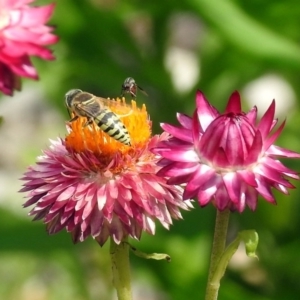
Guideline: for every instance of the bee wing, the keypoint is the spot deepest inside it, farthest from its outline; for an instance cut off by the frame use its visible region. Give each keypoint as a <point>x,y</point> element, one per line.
<point>90,109</point>
<point>113,104</point>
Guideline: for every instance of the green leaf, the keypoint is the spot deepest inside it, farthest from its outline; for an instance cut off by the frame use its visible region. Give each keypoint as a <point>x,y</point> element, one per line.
<point>250,238</point>
<point>156,256</point>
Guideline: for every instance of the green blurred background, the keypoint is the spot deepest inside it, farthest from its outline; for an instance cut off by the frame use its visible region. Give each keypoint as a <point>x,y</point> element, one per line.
<point>171,48</point>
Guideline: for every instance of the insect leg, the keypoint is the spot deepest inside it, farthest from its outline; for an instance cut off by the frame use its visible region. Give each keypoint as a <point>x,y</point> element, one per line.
<point>74,119</point>
<point>88,122</point>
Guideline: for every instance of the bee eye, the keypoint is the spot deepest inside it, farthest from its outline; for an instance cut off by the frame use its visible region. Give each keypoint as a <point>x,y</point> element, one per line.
<point>70,95</point>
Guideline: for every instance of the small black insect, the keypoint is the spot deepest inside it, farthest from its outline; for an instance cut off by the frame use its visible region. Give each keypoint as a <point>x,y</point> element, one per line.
<point>130,86</point>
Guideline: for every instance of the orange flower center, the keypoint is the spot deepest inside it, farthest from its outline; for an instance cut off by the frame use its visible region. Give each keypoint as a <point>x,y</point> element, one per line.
<point>82,137</point>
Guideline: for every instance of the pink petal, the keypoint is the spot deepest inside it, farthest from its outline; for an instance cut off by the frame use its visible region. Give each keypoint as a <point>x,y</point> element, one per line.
<point>221,199</point>
<point>248,177</point>
<point>101,198</point>
<point>35,16</point>
<point>196,131</point>
<point>266,121</point>
<point>181,154</point>
<point>234,104</point>
<point>278,151</point>
<point>184,120</point>
<point>233,186</point>
<point>277,166</point>
<point>66,194</point>
<point>252,115</point>
<point>251,198</point>
<point>180,133</point>
<point>204,196</point>
<point>263,188</point>
<point>255,149</point>
<point>178,168</point>
<point>206,112</point>
<point>201,176</point>
<point>90,204</point>
<point>272,175</point>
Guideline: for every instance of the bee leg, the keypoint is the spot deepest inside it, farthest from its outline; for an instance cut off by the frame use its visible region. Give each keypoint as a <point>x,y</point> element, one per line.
<point>122,92</point>
<point>88,122</point>
<point>133,95</point>
<point>74,119</point>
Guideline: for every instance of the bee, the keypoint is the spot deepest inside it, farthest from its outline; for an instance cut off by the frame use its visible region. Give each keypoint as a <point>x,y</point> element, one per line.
<point>130,86</point>
<point>84,104</point>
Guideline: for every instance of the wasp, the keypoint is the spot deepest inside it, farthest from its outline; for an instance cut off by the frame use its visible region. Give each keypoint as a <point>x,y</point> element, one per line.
<point>95,109</point>
<point>130,86</point>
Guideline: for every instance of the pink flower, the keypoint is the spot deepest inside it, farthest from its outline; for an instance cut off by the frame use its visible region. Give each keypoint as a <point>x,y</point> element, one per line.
<point>227,159</point>
<point>93,185</point>
<point>22,34</point>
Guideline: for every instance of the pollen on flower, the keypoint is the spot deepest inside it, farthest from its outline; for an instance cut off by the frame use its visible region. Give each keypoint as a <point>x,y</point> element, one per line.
<point>92,138</point>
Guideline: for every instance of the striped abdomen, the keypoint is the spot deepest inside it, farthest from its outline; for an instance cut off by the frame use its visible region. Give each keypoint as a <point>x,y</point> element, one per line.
<point>110,123</point>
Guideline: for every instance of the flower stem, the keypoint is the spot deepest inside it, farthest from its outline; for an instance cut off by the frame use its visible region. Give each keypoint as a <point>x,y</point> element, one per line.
<point>121,269</point>
<point>218,248</point>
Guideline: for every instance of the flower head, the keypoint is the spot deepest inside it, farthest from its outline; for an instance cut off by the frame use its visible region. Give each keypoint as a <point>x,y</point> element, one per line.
<point>227,159</point>
<point>22,34</point>
<point>93,185</point>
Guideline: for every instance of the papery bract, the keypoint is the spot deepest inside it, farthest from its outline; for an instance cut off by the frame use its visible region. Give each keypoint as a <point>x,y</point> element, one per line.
<point>227,159</point>
<point>93,185</point>
<point>23,33</point>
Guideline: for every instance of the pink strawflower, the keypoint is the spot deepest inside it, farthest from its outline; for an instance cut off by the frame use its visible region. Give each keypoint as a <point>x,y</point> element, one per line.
<point>22,34</point>
<point>227,159</point>
<point>93,185</point>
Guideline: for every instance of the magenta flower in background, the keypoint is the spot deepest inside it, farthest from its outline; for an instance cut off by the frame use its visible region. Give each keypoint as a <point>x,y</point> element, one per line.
<point>227,159</point>
<point>22,34</point>
<point>93,185</point>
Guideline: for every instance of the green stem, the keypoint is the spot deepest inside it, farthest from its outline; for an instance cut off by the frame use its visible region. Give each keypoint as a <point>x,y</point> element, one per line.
<point>121,269</point>
<point>218,248</point>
